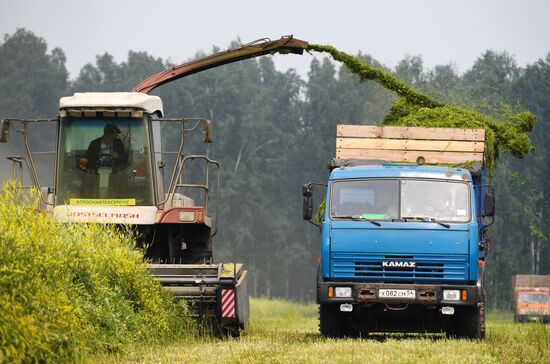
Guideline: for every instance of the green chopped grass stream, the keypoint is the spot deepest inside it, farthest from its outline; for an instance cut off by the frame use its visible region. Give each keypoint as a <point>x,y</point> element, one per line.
<point>506,130</point>
<point>286,332</point>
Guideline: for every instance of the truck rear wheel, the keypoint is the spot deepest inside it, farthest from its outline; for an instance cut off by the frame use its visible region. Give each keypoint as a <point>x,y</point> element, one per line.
<point>330,324</point>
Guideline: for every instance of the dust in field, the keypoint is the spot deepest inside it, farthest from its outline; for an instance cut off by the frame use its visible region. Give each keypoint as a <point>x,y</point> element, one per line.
<point>284,332</point>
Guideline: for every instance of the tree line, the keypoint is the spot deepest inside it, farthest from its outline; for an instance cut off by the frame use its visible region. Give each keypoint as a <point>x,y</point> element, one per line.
<point>274,131</point>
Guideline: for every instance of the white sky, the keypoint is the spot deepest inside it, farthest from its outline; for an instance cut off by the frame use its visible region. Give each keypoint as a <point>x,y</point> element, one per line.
<point>440,31</point>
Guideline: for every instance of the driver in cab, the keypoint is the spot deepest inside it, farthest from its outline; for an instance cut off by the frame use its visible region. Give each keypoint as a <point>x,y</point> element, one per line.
<point>105,151</point>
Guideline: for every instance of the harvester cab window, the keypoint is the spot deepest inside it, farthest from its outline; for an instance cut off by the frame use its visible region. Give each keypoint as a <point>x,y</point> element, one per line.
<point>104,161</point>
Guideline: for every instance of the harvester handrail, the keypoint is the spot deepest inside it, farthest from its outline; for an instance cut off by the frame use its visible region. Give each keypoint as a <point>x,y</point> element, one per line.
<point>204,186</point>
<point>179,153</point>
<point>35,178</point>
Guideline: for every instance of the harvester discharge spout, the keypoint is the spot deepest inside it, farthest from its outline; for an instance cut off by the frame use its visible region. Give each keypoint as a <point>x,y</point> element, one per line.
<point>260,47</point>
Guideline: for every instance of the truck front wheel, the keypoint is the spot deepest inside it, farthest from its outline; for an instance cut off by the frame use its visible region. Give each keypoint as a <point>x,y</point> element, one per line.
<point>471,323</point>
<point>330,323</point>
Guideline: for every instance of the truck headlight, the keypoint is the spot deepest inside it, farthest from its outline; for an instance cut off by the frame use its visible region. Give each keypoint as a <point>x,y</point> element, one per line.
<point>342,292</point>
<point>451,294</point>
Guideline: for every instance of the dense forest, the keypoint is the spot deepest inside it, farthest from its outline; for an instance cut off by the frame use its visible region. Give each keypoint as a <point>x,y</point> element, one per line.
<point>274,131</point>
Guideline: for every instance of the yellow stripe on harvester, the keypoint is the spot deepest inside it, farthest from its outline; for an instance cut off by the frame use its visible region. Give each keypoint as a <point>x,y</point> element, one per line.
<point>103,201</point>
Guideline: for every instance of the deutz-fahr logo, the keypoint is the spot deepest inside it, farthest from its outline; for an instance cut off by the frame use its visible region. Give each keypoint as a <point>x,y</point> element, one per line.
<point>398,264</point>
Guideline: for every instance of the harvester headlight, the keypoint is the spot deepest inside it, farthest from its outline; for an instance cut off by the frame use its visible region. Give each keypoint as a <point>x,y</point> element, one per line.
<point>342,292</point>
<point>451,294</point>
<point>187,216</point>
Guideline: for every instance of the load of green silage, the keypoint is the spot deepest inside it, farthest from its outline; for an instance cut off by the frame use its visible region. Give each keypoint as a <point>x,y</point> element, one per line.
<point>69,291</point>
<point>506,133</point>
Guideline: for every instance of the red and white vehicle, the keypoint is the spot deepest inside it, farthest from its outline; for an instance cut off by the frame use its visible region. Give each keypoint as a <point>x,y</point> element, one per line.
<point>110,167</point>
<point>174,228</point>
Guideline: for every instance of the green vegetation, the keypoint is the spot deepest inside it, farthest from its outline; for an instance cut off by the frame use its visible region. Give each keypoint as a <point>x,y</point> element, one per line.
<point>508,133</point>
<point>69,290</point>
<point>320,211</point>
<point>284,332</point>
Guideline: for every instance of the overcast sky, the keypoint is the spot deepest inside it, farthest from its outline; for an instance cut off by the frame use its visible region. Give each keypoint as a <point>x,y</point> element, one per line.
<point>440,31</point>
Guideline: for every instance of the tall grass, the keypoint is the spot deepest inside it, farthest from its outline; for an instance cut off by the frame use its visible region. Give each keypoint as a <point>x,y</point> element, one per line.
<point>71,290</point>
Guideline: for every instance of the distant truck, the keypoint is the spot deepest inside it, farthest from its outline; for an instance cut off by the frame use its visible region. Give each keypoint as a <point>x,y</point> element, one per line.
<point>403,244</point>
<point>531,297</point>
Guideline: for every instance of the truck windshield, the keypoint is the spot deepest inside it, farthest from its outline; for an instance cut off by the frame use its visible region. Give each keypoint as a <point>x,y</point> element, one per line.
<point>104,161</point>
<point>390,199</point>
<point>533,298</point>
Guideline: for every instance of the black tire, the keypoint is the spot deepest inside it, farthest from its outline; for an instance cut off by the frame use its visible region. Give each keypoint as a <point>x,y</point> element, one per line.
<point>470,323</point>
<point>234,332</point>
<point>478,331</point>
<point>212,327</point>
<point>330,324</point>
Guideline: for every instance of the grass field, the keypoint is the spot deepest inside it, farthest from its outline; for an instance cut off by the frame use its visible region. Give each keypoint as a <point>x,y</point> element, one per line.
<point>284,332</point>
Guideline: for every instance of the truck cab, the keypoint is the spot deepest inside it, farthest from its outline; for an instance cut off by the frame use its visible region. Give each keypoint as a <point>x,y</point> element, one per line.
<point>402,249</point>
<point>533,305</point>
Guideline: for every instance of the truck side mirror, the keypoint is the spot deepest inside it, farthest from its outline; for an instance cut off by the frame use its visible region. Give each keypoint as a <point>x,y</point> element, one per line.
<point>4,131</point>
<point>308,201</point>
<point>207,131</point>
<point>307,189</point>
<point>489,208</point>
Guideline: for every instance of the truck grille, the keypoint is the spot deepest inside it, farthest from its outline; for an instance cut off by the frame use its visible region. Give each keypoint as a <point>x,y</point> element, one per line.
<point>429,267</point>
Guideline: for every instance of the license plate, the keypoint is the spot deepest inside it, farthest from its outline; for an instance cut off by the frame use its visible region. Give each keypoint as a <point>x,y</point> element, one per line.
<point>397,293</point>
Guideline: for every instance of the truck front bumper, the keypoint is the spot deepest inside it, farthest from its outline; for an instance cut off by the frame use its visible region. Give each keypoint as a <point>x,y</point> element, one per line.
<point>425,294</point>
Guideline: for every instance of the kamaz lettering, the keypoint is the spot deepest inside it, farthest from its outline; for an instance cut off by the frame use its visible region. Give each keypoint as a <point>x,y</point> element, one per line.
<point>391,264</point>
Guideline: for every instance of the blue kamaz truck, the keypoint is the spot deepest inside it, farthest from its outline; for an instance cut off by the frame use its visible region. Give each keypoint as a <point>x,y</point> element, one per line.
<point>403,234</point>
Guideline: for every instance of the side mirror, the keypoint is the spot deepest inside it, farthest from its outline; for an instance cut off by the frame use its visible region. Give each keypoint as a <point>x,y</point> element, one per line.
<point>207,131</point>
<point>489,208</point>
<point>308,201</point>
<point>4,131</point>
<point>306,190</point>
<point>308,208</point>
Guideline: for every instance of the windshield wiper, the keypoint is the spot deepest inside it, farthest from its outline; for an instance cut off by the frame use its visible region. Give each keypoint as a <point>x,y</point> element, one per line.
<point>358,218</point>
<point>426,219</point>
